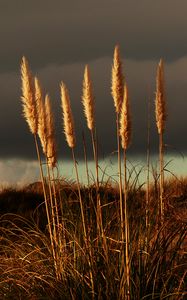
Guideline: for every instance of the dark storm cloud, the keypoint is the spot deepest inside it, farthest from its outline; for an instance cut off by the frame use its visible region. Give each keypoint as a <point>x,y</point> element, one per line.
<point>59,37</point>
<point>74,31</point>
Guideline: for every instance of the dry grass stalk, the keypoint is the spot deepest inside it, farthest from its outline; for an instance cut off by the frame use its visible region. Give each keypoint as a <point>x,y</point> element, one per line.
<point>117,94</point>
<point>125,132</point>
<point>160,112</point>
<point>88,104</point>
<point>67,117</point>
<point>147,206</point>
<point>88,99</point>
<point>117,90</point>
<point>28,97</point>
<point>117,80</point>
<point>70,138</point>
<point>51,160</point>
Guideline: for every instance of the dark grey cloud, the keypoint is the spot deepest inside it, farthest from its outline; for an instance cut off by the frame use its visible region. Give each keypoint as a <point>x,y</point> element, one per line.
<point>74,31</point>
<point>59,37</point>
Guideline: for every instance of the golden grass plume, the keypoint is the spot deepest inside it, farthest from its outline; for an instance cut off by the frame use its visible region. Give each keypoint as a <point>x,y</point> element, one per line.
<point>125,120</point>
<point>28,97</point>
<point>160,102</point>
<point>117,80</point>
<point>88,99</point>
<point>42,133</point>
<point>51,144</point>
<point>67,116</point>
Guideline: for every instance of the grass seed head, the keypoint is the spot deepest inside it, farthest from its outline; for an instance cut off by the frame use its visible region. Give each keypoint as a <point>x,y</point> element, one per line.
<point>42,130</point>
<point>125,121</point>
<point>88,99</point>
<point>50,135</point>
<point>117,80</point>
<point>28,97</point>
<point>67,116</point>
<point>160,102</point>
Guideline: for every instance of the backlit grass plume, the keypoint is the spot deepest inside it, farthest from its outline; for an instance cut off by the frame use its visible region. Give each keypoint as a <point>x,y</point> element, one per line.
<point>41,115</point>
<point>125,121</point>
<point>67,116</point>
<point>28,97</point>
<point>160,103</point>
<point>117,80</point>
<point>51,144</point>
<point>88,99</point>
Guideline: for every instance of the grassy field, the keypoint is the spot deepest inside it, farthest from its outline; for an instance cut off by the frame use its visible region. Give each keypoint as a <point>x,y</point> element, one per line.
<point>157,258</point>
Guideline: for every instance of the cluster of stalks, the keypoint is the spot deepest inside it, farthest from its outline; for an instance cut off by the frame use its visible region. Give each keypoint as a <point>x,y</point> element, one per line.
<point>38,114</point>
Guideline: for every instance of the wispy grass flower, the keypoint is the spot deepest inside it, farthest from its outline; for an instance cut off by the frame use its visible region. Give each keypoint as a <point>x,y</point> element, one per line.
<point>125,121</point>
<point>67,117</point>
<point>28,97</point>
<point>117,80</point>
<point>41,115</point>
<point>50,133</point>
<point>88,99</point>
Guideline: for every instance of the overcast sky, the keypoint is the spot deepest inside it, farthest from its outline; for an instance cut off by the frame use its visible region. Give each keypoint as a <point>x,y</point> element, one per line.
<point>59,37</point>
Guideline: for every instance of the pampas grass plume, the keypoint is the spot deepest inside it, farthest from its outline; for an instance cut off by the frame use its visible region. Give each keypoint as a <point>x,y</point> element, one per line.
<point>125,121</point>
<point>51,145</point>
<point>117,80</point>
<point>160,102</point>
<point>41,115</point>
<point>88,99</point>
<point>67,116</point>
<point>28,97</point>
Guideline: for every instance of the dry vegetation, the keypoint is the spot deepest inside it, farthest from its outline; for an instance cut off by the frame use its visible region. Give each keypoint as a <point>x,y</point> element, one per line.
<point>101,241</point>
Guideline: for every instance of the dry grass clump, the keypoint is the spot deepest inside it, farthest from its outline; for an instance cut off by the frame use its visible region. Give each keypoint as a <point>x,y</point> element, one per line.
<point>27,264</point>
<point>95,242</point>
